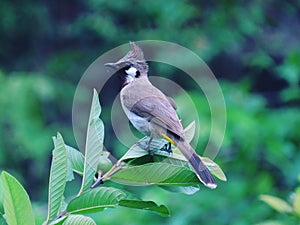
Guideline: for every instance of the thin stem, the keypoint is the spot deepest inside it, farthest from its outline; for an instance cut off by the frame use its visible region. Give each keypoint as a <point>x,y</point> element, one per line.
<point>116,167</point>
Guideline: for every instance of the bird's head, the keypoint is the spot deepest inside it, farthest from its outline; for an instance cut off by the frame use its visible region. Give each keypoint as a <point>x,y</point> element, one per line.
<point>133,64</point>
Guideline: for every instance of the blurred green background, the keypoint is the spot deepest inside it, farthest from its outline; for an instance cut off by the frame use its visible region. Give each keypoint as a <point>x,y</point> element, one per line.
<point>253,48</point>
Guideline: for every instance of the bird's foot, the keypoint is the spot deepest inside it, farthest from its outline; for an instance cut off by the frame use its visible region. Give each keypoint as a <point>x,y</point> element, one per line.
<point>167,148</point>
<point>146,146</point>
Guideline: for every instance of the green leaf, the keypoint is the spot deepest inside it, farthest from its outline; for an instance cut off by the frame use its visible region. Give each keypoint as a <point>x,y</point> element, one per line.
<point>70,173</point>
<point>188,190</point>
<point>145,205</point>
<point>271,222</point>
<point>214,168</point>
<point>189,132</point>
<point>106,197</point>
<point>79,220</point>
<point>16,202</point>
<point>58,221</point>
<point>2,220</point>
<point>96,200</point>
<point>296,203</point>
<point>1,198</point>
<point>178,159</point>
<point>94,144</point>
<point>156,173</point>
<point>277,203</point>
<point>76,158</point>
<point>135,152</point>
<point>174,158</point>
<point>58,177</point>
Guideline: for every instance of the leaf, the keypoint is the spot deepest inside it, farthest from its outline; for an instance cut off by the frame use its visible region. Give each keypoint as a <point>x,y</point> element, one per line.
<point>58,221</point>
<point>189,190</point>
<point>135,152</point>
<point>96,200</point>
<point>2,220</point>
<point>156,173</point>
<point>145,205</point>
<point>214,168</point>
<point>70,174</point>
<point>106,197</point>
<point>277,203</point>
<point>1,198</point>
<point>296,203</point>
<point>79,220</point>
<point>178,159</point>
<point>76,158</point>
<point>93,145</point>
<point>58,177</point>
<point>271,222</point>
<point>189,131</point>
<point>139,149</point>
<point>16,202</point>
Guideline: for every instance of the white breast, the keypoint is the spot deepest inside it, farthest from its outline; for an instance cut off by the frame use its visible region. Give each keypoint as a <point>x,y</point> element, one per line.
<point>140,123</point>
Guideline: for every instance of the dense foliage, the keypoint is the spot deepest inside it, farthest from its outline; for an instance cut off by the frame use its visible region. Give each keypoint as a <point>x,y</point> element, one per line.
<point>252,48</point>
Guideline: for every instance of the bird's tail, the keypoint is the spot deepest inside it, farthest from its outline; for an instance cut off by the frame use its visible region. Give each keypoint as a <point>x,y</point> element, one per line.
<point>193,158</point>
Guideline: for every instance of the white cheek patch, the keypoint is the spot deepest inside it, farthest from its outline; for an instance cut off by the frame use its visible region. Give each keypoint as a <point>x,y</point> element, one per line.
<point>131,71</point>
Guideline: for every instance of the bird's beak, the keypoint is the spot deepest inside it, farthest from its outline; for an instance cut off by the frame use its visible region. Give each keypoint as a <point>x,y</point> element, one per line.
<point>113,65</point>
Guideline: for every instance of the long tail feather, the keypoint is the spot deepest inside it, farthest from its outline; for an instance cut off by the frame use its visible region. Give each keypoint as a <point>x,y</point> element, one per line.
<point>201,170</point>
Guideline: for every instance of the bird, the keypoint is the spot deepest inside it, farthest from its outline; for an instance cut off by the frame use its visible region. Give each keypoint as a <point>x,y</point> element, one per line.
<point>153,113</point>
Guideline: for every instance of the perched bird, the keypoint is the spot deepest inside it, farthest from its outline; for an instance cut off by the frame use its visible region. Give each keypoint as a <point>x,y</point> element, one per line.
<point>152,112</point>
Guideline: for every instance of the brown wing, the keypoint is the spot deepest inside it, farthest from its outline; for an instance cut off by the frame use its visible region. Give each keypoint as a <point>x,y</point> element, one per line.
<point>172,102</point>
<point>160,110</point>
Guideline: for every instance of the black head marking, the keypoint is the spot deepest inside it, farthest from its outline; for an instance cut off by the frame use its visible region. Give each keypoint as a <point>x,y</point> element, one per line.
<point>127,67</point>
<point>138,74</point>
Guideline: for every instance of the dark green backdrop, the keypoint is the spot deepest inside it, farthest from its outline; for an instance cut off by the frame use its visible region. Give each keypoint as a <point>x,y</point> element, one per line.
<point>252,47</point>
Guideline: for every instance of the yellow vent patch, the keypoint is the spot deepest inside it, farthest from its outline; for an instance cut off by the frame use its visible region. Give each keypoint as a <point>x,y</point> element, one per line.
<point>168,138</point>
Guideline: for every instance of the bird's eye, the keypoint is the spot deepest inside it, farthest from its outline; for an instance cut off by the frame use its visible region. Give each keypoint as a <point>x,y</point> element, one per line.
<point>127,67</point>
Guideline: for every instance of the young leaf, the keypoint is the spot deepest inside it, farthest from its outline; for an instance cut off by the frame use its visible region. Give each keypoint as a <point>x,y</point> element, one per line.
<point>1,198</point>
<point>58,221</point>
<point>296,203</point>
<point>189,131</point>
<point>156,173</point>
<point>76,158</point>
<point>214,168</point>
<point>271,222</point>
<point>135,152</point>
<point>2,220</point>
<point>145,205</point>
<point>96,200</point>
<point>188,190</point>
<point>93,145</point>
<point>277,203</point>
<point>79,220</point>
<point>70,173</point>
<point>16,202</point>
<point>58,177</point>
